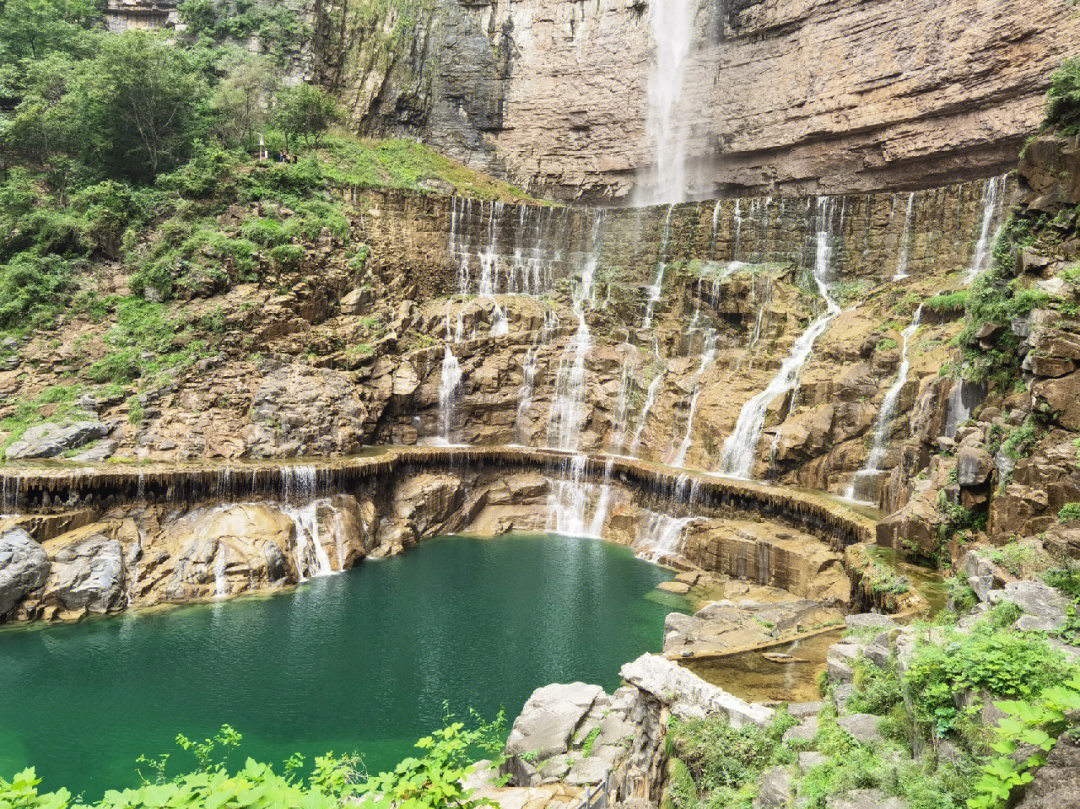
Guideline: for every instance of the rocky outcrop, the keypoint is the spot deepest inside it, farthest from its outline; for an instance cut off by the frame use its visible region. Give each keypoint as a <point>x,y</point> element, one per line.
<point>24,567</point>
<point>489,84</point>
<point>50,439</point>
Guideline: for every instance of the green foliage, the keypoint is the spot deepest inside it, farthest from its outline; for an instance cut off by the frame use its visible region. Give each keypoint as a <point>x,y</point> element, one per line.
<point>1036,723</point>
<point>1063,105</point>
<point>305,112</point>
<point>1070,512</point>
<point>32,289</point>
<point>432,780</point>
<point>888,344</point>
<point>722,761</point>
<point>999,661</point>
<point>948,302</point>
<point>279,29</point>
<point>877,689</point>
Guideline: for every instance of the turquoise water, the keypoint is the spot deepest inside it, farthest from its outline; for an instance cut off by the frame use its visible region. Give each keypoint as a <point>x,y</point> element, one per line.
<point>357,662</point>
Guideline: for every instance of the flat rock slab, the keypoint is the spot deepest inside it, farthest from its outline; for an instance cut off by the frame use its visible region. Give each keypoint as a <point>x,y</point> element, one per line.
<point>550,717</point>
<point>49,440</point>
<point>688,695</point>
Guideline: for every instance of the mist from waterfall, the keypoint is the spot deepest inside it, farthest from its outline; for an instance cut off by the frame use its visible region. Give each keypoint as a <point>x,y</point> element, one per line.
<point>740,448</point>
<point>671,23</point>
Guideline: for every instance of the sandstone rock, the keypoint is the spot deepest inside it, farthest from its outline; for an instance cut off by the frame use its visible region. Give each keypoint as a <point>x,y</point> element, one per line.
<point>676,587</point>
<point>549,719</point>
<point>973,466</point>
<point>50,440</point>
<point>810,759</point>
<point>24,567</point>
<point>687,694</point>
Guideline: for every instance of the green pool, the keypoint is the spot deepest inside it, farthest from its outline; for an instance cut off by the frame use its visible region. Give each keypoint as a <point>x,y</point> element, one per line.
<point>362,661</point>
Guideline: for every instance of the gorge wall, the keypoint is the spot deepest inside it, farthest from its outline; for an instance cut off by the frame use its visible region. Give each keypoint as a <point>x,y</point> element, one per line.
<point>805,97</point>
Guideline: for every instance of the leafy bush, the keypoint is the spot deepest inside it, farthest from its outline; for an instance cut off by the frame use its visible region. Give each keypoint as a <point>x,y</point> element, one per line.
<point>32,289</point>
<point>1063,107</point>
<point>1070,512</point>
<point>1000,661</point>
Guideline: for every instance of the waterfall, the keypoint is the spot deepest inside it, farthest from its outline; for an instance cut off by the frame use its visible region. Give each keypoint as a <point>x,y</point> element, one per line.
<point>657,287</point>
<point>311,557</point>
<point>991,193</point>
<point>662,535</point>
<point>865,476</point>
<point>740,447</point>
<point>708,354</point>
<point>221,583</point>
<point>449,385</point>
<point>905,241</point>
<point>671,23</point>
<point>568,408</point>
<point>603,503</point>
<point>738,230</point>
<point>650,400</point>
<point>622,408</point>
<point>569,498</point>
<point>528,388</point>
<point>299,483</point>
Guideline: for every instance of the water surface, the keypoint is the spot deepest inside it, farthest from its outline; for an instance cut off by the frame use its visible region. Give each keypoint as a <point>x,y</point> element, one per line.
<point>360,661</point>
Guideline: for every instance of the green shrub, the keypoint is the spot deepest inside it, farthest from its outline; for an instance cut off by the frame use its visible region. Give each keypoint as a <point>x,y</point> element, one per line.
<point>1063,107</point>
<point>1070,512</point>
<point>33,288</point>
<point>991,658</point>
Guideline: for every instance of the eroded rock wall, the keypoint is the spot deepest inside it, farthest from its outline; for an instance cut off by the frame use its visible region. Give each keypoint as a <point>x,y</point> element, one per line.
<point>803,97</point>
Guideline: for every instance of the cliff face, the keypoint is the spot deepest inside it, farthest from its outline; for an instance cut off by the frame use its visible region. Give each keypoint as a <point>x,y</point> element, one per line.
<point>800,96</point>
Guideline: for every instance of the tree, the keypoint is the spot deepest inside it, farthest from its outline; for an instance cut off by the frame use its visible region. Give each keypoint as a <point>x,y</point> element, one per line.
<point>241,102</point>
<point>142,101</point>
<point>305,111</point>
<point>33,28</point>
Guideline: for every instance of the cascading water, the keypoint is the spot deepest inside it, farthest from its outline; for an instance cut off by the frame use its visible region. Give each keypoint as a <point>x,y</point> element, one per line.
<point>657,287</point>
<point>905,241</point>
<point>603,503</point>
<point>527,390</point>
<point>311,558</point>
<point>221,583</point>
<point>708,354</point>
<point>863,480</point>
<point>671,23</point>
<point>740,448</point>
<point>449,385</point>
<point>990,202</point>
<point>646,409</point>
<point>662,536</point>
<point>568,408</point>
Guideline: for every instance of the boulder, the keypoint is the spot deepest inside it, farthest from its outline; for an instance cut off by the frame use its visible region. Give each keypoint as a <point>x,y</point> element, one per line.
<point>50,440</point>
<point>973,466</point>
<point>774,791</point>
<point>549,719</point>
<point>87,574</point>
<point>810,759</point>
<point>803,732</point>
<point>688,695</point>
<point>1045,609</point>
<point>863,727</point>
<point>24,567</point>
<point>1057,783</point>
<point>866,620</point>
